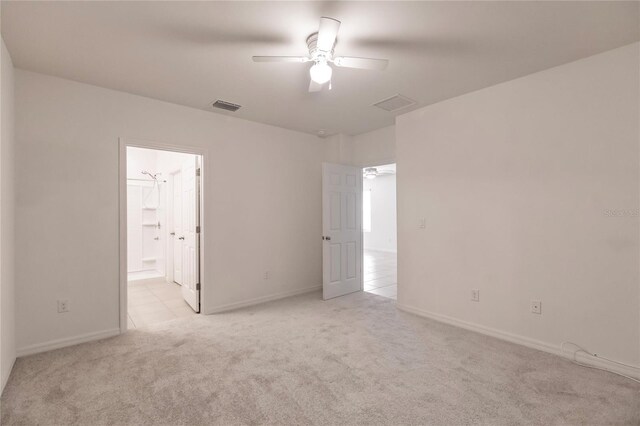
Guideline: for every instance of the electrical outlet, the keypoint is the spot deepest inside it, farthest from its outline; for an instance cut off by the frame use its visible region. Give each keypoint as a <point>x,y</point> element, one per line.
<point>475,295</point>
<point>267,275</point>
<point>63,306</point>
<point>422,224</point>
<point>536,307</point>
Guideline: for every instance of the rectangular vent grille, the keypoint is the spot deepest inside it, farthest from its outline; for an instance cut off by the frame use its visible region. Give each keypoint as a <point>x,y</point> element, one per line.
<point>228,106</point>
<point>395,103</point>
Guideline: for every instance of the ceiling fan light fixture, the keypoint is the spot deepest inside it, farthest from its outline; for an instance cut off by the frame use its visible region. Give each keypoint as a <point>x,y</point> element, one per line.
<point>321,48</point>
<point>320,72</point>
<point>370,173</point>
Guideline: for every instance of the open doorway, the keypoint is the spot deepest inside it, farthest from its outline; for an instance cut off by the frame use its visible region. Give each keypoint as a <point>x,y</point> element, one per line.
<point>379,267</point>
<point>163,235</point>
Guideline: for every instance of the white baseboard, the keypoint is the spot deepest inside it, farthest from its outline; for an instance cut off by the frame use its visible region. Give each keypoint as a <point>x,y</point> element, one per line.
<point>524,341</point>
<point>67,341</point>
<point>263,299</point>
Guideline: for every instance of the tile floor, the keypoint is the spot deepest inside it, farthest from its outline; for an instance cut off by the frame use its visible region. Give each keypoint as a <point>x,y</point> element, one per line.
<point>154,300</point>
<point>381,273</point>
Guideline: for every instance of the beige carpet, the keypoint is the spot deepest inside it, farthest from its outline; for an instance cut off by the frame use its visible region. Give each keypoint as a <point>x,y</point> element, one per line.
<point>351,360</point>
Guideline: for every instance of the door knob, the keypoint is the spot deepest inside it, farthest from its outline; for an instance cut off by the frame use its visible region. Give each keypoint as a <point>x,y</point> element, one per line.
<point>326,238</point>
<point>181,238</point>
<point>172,233</point>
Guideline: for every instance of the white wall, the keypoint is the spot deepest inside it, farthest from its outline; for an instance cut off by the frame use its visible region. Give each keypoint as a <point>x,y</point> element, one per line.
<point>339,149</point>
<point>367,149</point>
<point>517,183</point>
<point>7,218</point>
<point>375,148</point>
<point>262,189</point>
<point>383,214</point>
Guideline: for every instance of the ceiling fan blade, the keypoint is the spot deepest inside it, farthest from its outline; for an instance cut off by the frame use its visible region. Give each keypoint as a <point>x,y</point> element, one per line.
<point>315,87</point>
<point>361,63</point>
<point>327,33</point>
<point>281,59</point>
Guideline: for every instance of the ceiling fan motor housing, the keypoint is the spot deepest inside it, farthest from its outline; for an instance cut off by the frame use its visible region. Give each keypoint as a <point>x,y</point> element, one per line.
<point>314,52</point>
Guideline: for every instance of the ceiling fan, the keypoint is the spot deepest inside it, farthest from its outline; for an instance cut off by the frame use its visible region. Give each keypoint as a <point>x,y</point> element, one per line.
<point>321,46</point>
<point>373,172</point>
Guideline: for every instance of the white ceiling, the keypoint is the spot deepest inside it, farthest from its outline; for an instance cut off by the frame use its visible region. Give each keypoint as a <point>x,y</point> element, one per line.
<point>192,53</point>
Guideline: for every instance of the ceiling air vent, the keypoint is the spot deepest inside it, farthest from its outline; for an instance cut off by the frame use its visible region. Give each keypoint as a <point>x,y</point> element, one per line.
<point>227,106</point>
<point>395,103</point>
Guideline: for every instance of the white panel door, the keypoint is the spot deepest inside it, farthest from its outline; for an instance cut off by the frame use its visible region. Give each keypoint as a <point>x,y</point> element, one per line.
<point>190,243</point>
<point>177,227</point>
<point>342,230</point>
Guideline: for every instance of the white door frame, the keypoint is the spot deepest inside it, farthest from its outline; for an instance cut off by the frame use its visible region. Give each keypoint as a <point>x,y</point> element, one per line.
<point>122,188</point>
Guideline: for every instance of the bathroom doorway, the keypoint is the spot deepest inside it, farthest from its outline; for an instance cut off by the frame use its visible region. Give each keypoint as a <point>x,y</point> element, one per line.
<point>163,234</point>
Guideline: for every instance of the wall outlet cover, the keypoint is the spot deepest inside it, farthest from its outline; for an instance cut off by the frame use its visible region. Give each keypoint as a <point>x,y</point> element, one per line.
<point>475,295</point>
<point>63,306</point>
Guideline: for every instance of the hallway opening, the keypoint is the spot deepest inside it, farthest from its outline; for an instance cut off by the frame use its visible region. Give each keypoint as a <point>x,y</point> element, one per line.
<point>380,270</point>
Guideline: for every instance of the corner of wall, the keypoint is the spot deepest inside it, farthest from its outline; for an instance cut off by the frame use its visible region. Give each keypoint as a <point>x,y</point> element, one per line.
<point>7,206</point>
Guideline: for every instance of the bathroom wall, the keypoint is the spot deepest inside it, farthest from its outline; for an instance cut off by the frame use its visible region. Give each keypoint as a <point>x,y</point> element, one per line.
<point>382,236</point>
<point>139,159</point>
<point>144,207</point>
<point>165,164</point>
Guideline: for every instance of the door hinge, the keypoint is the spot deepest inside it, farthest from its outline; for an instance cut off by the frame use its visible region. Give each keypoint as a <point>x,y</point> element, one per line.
<point>197,229</point>
<point>198,286</point>
<point>198,172</point>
